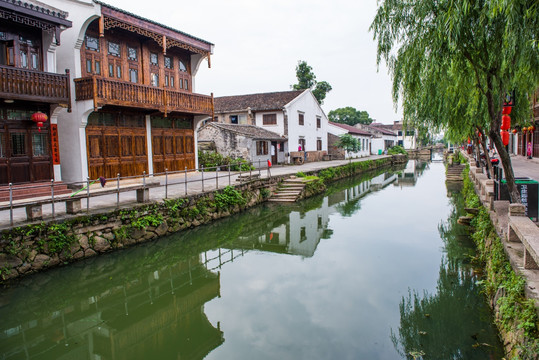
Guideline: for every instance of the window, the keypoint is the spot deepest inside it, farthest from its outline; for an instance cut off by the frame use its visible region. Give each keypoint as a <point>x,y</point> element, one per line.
<point>168,62</point>
<point>182,66</point>
<point>111,70</point>
<point>363,147</point>
<point>262,148</point>
<point>166,80</point>
<point>409,132</point>
<point>34,61</point>
<point>24,59</point>
<point>186,84</point>
<point>88,65</point>
<point>301,143</point>
<point>154,79</point>
<point>39,144</point>
<point>153,59</point>
<point>181,83</point>
<point>400,133</point>
<point>133,75</point>
<point>98,67</point>
<point>318,122</point>
<point>2,146</point>
<point>114,48</point>
<point>119,71</point>
<point>269,119</point>
<point>132,53</point>
<point>302,234</point>
<point>233,119</point>
<point>319,144</point>
<point>18,144</point>
<point>92,43</point>
<point>301,117</point>
<point>172,81</point>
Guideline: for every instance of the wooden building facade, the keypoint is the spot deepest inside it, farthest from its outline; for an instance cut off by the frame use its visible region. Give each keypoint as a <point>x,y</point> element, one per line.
<point>138,76</point>
<point>29,33</point>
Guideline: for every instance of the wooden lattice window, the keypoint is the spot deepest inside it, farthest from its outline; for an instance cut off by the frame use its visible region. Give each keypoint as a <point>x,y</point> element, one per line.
<point>269,119</point>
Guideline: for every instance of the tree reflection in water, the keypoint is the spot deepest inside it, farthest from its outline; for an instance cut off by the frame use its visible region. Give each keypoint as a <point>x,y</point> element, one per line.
<point>437,326</point>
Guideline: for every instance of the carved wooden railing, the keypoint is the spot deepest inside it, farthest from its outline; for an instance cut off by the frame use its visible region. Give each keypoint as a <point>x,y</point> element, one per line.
<point>22,84</point>
<point>112,92</point>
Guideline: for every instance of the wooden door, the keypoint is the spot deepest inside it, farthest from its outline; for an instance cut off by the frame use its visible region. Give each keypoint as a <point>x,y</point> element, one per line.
<point>273,152</point>
<point>24,151</point>
<point>115,146</point>
<point>172,144</point>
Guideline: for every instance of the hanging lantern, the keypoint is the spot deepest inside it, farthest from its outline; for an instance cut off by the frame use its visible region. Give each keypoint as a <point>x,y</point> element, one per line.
<point>506,110</point>
<point>524,129</point>
<point>531,128</point>
<point>39,118</point>
<point>469,141</point>
<point>505,137</point>
<point>506,122</point>
<point>514,131</point>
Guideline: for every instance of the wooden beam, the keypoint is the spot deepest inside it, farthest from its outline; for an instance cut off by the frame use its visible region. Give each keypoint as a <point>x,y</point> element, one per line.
<point>164,44</point>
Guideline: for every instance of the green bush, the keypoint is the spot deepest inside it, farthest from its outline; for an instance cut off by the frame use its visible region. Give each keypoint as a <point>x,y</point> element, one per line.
<point>211,159</point>
<point>397,149</point>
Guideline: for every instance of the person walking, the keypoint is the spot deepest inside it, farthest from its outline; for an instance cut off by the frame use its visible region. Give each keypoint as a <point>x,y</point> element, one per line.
<point>529,149</point>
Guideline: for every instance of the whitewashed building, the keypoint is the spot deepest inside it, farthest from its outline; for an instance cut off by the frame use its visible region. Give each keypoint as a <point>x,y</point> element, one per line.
<point>336,130</point>
<point>294,115</point>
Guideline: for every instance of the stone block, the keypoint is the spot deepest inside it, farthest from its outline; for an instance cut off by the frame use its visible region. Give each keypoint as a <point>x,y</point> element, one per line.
<point>34,212</point>
<point>517,210</point>
<point>529,262</point>
<point>101,244</point>
<point>143,195</point>
<point>40,261</point>
<point>73,206</point>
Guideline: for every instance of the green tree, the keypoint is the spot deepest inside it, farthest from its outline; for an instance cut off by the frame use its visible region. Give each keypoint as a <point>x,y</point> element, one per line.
<point>350,116</point>
<point>307,80</point>
<point>453,62</point>
<point>348,143</point>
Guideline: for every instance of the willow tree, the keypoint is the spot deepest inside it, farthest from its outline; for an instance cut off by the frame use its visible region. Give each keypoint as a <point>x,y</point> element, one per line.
<point>453,62</point>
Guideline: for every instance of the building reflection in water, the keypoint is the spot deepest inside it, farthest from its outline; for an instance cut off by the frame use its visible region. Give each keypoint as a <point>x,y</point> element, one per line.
<point>150,299</point>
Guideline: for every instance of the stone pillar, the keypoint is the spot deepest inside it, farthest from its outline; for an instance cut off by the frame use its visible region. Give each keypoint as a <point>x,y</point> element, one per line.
<point>511,234</point>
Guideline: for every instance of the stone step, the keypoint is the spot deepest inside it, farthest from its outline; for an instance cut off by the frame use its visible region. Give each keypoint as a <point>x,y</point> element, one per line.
<point>282,200</point>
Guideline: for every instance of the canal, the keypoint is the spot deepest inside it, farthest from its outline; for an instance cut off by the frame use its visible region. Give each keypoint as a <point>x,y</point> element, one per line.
<point>376,268</point>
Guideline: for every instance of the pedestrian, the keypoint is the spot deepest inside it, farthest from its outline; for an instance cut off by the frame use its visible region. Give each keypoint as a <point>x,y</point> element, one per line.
<point>529,149</point>
<point>299,147</point>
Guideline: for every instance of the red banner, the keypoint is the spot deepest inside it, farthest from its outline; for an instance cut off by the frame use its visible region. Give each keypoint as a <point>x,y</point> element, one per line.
<point>55,148</point>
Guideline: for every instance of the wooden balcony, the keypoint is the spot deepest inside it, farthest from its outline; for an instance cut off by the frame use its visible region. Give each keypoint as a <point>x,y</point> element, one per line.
<point>120,93</point>
<point>31,85</point>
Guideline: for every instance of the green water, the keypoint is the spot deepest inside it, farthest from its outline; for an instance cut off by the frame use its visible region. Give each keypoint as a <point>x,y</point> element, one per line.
<point>377,268</point>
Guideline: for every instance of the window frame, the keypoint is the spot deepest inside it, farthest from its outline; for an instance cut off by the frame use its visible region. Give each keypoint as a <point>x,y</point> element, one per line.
<point>301,119</point>
<point>269,119</point>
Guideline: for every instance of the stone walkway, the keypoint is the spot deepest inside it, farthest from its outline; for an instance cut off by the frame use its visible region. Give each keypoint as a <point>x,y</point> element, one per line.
<point>176,188</point>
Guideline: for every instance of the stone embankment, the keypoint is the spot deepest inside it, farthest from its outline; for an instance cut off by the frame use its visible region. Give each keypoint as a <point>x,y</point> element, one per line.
<point>36,247</point>
<point>519,240</point>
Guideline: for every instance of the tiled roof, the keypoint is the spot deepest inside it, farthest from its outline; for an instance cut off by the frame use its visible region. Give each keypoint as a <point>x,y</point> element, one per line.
<point>382,130</point>
<point>36,7</point>
<point>351,129</point>
<point>257,102</point>
<point>251,131</point>
<point>150,21</point>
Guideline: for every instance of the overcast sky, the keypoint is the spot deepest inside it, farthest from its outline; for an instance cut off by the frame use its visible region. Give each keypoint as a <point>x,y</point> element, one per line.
<point>258,45</point>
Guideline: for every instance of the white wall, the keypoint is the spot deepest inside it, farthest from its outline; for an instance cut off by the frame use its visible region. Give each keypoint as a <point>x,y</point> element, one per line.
<point>307,104</point>
<point>278,128</point>
<point>71,126</point>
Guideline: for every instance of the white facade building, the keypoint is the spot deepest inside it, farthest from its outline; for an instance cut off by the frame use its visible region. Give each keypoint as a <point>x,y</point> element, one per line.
<point>363,137</point>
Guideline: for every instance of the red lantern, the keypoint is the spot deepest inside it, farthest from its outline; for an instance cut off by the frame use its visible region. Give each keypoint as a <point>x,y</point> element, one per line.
<point>505,137</point>
<point>506,122</point>
<point>469,140</point>
<point>507,110</point>
<point>531,128</point>
<point>514,131</point>
<point>39,118</point>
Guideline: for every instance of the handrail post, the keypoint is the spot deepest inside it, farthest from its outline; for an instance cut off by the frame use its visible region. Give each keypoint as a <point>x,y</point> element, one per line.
<point>202,178</point>
<point>118,190</point>
<point>52,197</point>
<point>166,183</point>
<point>259,167</point>
<point>239,176</point>
<point>144,180</point>
<point>250,170</point>
<point>11,204</point>
<point>186,180</point>
<point>229,174</point>
<point>88,194</point>
<point>217,178</point>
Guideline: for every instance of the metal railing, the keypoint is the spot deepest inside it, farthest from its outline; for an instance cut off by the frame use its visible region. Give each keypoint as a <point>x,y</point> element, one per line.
<point>168,180</point>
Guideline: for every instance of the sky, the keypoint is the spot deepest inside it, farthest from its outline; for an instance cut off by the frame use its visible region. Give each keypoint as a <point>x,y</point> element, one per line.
<point>259,43</point>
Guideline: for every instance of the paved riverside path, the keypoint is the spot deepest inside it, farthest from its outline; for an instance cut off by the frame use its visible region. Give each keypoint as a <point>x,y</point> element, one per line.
<point>176,189</point>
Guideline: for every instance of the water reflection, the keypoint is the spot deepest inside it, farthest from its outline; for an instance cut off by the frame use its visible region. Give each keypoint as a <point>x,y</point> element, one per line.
<point>163,299</point>
<point>453,322</point>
